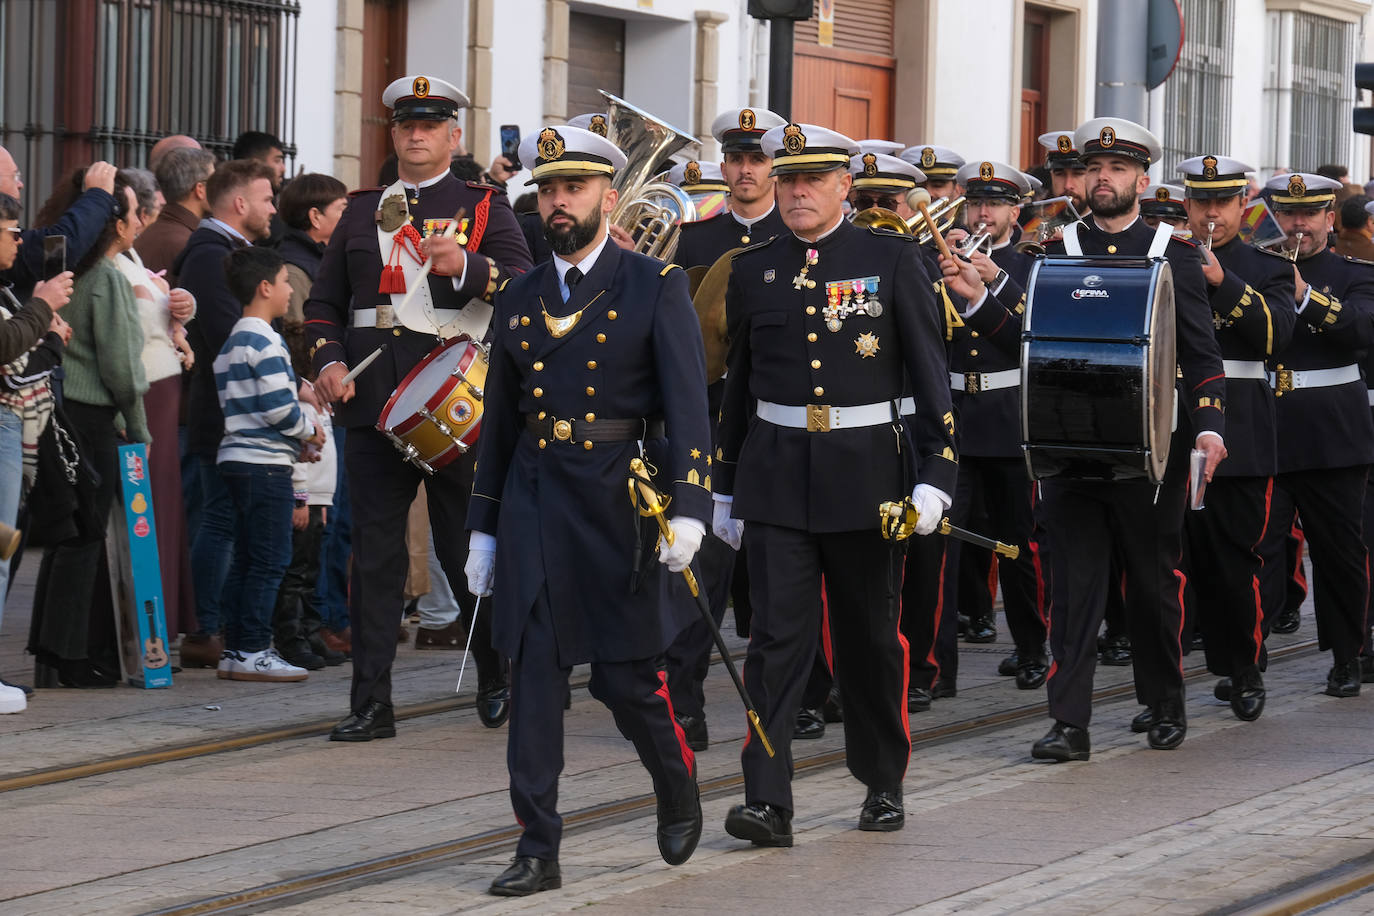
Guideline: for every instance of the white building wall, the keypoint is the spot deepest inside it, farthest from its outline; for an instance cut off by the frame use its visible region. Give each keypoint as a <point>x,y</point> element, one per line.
<point>437,37</point>
<point>973,93</point>
<point>316,52</point>
<point>1249,120</point>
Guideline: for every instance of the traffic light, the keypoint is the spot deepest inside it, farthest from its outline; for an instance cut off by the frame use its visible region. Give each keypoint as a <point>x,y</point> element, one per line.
<point>1364,117</point>
<point>781,9</point>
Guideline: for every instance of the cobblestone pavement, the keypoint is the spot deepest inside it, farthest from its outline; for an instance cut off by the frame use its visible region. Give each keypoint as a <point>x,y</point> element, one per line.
<point>1238,810</point>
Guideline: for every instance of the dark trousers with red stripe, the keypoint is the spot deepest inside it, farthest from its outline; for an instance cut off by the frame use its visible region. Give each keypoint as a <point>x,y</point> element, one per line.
<point>1085,521</point>
<point>1224,567</point>
<point>635,692</point>
<point>929,615</point>
<point>863,576</point>
<point>1329,502</point>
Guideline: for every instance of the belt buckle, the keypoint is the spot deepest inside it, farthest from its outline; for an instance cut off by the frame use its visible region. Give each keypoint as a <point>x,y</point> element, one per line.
<point>973,382</point>
<point>818,418</point>
<point>1285,380</point>
<point>386,316</point>
<point>562,430</point>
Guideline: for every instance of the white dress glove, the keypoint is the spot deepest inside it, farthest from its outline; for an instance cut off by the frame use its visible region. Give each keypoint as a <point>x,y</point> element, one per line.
<point>931,503</point>
<point>687,535</point>
<point>728,529</point>
<point>481,565</point>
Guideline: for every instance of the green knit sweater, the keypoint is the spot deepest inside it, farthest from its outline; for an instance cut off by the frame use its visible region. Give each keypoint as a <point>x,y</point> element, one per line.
<point>104,361</point>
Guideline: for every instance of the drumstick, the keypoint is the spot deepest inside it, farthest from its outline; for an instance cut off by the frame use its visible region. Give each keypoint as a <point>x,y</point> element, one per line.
<point>426,267</point>
<point>357,370</point>
<point>919,198</point>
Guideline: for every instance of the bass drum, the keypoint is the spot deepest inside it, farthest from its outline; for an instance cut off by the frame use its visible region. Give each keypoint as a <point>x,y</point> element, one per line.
<point>1098,365</point>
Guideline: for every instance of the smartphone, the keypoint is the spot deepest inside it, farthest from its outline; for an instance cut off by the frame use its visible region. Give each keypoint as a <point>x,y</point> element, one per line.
<point>54,255</point>
<point>510,144</point>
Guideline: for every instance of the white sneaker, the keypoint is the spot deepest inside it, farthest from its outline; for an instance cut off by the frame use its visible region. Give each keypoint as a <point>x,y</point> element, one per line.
<point>12,699</point>
<point>222,672</point>
<point>266,665</point>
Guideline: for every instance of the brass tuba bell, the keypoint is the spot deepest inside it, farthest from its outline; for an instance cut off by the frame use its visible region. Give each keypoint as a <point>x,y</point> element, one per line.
<point>650,211</point>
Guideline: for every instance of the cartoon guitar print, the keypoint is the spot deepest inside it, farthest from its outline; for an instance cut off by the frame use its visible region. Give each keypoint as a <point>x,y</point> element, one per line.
<point>154,652</point>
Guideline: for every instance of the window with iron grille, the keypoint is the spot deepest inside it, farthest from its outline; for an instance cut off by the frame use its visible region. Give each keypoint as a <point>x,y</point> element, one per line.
<point>1323,92</point>
<point>83,80</point>
<point>1197,95</point>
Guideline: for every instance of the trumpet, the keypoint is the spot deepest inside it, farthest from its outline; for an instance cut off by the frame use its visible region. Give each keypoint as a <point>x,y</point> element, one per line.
<point>1277,246</point>
<point>1211,230</point>
<point>976,240</point>
<point>943,213</point>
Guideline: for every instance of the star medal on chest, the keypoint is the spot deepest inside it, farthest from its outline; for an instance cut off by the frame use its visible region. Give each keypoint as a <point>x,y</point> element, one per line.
<point>866,345</point>
<point>801,280</point>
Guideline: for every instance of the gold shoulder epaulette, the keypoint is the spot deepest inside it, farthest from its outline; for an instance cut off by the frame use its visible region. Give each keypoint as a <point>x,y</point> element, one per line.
<point>664,271</point>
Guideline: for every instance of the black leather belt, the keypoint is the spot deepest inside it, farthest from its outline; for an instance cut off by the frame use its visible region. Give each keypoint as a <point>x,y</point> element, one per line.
<point>554,429</point>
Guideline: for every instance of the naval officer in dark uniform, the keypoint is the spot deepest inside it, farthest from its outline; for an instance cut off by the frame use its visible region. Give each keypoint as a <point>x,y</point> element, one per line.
<point>836,400</point>
<point>597,360</point>
<point>1164,203</point>
<point>1325,435</point>
<point>1086,519</point>
<point>1250,293</point>
<point>352,310</point>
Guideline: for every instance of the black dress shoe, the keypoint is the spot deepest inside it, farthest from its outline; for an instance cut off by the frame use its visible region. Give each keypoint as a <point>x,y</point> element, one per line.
<point>1287,621</point>
<point>1344,679</point>
<point>493,703</point>
<point>375,720</point>
<point>527,875</point>
<point>1064,742</point>
<point>981,629</point>
<point>917,699</point>
<point>1144,720</point>
<point>809,724</point>
<point>1007,666</point>
<point>833,711</point>
<point>961,625</point>
<point>1247,695</point>
<point>1366,673</point>
<point>944,687</point>
<point>83,674</point>
<point>1222,690</point>
<point>679,828</point>
<point>1115,651</point>
<point>762,825</point>
<point>694,730</point>
<point>1032,672</point>
<point>882,811</point>
<point>1171,726</point>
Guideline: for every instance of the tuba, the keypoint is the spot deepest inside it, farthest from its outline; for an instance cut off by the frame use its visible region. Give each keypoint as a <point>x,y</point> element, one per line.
<point>649,210</point>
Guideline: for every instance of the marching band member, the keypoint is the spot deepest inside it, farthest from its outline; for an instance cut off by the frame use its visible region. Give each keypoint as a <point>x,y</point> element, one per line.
<point>594,353</point>
<point>939,164</point>
<point>1164,202</point>
<point>1249,291</point>
<point>1068,171</point>
<point>832,328</point>
<point>382,239</point>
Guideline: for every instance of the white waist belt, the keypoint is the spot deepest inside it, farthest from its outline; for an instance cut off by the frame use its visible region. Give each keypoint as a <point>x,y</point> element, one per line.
<point>820,418</point>
<point>1245,368</point>
<point>367,318</point>
<point>1292,379</point>
<point>1371,397</point>
<point>974,382</point>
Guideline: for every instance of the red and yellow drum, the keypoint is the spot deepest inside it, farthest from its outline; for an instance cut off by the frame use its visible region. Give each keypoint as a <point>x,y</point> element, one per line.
<point>435,414</point>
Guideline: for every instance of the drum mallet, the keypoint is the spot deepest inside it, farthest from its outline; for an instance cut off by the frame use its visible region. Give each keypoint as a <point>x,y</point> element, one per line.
<point>920,199</point>
<point>358,369</point>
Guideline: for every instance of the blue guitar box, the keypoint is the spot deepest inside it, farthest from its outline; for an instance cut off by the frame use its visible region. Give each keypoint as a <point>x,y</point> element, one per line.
<point>136,576</point>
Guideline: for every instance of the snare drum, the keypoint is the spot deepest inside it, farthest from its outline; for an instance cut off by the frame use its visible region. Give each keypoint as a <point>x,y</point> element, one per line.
<point>1097,368</point>
<point>435,414</point>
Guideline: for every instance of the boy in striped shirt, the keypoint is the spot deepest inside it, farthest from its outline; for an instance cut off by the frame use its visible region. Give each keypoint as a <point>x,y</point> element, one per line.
<point>264,429</point>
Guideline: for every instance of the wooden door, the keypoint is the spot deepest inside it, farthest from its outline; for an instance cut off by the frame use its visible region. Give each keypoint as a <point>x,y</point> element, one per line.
<point>1035,53</point>
<point>596,60</point>
<point>847,87</point>
<point>384,56</point>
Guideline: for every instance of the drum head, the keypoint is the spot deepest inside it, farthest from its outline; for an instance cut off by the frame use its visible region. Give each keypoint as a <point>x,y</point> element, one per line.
<point>428,377</point>
<point>1163,370</point>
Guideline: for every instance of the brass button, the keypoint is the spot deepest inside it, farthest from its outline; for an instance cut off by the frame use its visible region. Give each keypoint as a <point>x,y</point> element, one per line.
<point>524,344</point>
<point>587,444</point>
<point>562,430</point>
<point>396,332</point>
<point>601,338</point>
<point>815,364</point>
<point>818,390</point>
<point>542,414</point>
<point>975,333</point>
<point>611,315</point>
<point>1111,249</point>
<point>538,366</point>
<point>972,352</point>
<point>811,337</point>
<point>591,418</point>
<point>590,391</point>
<point>525,321</point>
<point>591,364</point>
<point>810,310</point>
<point>543,443</point>
<point>539,392</point>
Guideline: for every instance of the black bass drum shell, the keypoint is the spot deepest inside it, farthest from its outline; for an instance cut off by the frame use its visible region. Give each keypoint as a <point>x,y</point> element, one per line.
<point>1098,364</point>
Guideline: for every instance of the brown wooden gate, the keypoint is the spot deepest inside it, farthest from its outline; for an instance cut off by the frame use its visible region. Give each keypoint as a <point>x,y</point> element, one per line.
<point>847,87</point>
<point>384,57</point>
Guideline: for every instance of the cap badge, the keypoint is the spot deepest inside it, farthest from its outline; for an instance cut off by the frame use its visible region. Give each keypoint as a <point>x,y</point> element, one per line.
<point>747,119</point>
<point>420,88</point>
<point>1296,186</point>
<point>550,144</point>
<point>1162,195</point>
<point>597,125</point>
<point>985,172</point>
<point>870,165</point>
<point>1107,137</point>
<point>927,157</point>
<point>692,173</point>
<point>793,140</point>
<point>1209,167</point>
<point>1065,143</point>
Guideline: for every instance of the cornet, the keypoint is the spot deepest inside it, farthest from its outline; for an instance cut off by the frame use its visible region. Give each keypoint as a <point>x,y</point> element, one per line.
<point>977,239</point>
<point>1211,230</point>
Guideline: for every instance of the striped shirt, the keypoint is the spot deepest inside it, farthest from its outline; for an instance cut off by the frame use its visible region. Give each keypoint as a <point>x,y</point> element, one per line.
<point>263,421</point>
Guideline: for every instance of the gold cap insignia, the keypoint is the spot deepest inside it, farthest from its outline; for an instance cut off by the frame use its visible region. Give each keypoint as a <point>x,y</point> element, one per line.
<point>598,125</point>
<point>870,165</point>
<point>985,172</point>
<point>419,88</point>
<point>1296,186</point>
<point>1065,143</point>
<point>550,144</point>
<point>1162,195</point>
<point>793,140</point>
<point>747,119</point>
<point>927,157</point>
<point>1107,137</point>
<point>1209,167</point>
<point>692,173</point>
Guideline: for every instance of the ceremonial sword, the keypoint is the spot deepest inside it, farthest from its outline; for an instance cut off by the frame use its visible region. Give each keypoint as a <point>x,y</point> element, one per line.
<point>897,521</point>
